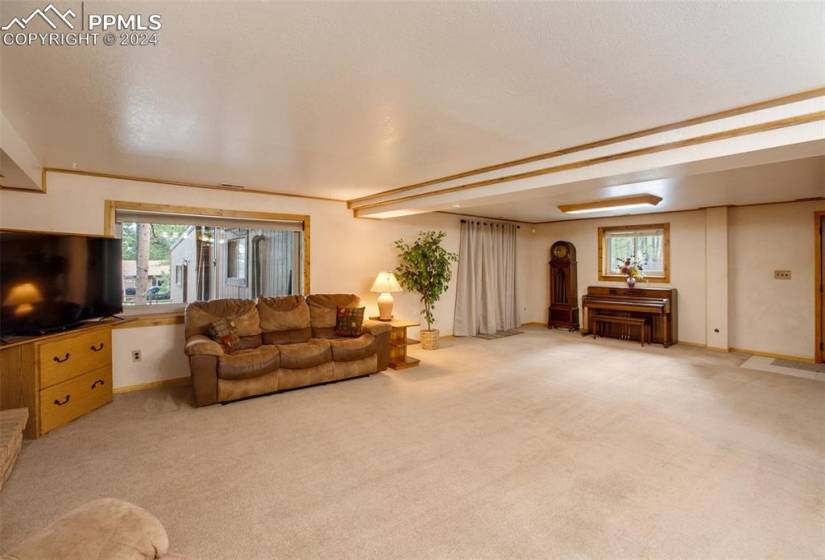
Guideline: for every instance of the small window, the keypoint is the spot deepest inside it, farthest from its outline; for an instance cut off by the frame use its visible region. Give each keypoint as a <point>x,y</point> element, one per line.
<point>649,244</point>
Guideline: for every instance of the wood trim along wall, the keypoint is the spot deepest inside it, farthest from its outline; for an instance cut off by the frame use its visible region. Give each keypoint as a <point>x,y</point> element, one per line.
<point>40,190</point>
<point>238,189</point>
<point>21,189</point>
<point>772,355</point>
<point>695,140</point>
<point>617,277</point>
<point>819,333</point>
<point>153,385</point>
<point>739,110</point>
<point>52,232</point>
<point>112,206</point>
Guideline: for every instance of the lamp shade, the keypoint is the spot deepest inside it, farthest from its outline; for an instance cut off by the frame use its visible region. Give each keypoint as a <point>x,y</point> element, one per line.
<point>23,294</point>
<point>385,282</point>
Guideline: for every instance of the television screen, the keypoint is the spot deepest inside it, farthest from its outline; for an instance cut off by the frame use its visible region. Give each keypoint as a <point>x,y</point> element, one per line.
<point>53,281</point>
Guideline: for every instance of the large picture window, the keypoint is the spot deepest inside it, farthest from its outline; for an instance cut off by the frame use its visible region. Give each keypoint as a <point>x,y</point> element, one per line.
<point>176,255</point>
<point>649,244</point>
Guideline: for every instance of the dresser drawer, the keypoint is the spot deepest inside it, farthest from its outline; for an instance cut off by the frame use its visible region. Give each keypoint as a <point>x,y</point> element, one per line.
<point>76,397</point>
<point>65,358</point>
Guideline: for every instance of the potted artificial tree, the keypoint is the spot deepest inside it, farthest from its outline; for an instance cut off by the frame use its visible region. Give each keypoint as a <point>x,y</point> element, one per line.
<point>424,268</point>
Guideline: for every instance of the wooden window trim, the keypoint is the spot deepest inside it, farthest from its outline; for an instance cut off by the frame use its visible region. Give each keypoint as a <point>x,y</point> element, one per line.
<point>665,279</point>
<point>819,335</point>
<point>112,206</point>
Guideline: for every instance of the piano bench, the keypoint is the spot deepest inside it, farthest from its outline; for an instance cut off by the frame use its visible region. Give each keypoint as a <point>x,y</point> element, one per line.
<point>620,320</point>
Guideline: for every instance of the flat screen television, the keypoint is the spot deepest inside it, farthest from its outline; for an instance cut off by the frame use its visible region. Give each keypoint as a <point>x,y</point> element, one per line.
<point>50,282</point>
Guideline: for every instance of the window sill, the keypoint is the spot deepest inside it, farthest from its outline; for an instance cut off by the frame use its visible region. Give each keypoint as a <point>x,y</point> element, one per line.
<point>143,319</point>
<point>647,279</point>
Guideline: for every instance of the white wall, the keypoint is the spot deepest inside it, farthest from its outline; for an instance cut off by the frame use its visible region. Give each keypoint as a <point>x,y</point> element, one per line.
<point>346,253</point>
<point>771,315</point>
<point>687,263</point>
<point>763,314</point>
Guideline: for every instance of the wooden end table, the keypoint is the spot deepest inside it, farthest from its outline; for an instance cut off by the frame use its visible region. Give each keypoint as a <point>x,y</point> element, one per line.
<point>398,343</point>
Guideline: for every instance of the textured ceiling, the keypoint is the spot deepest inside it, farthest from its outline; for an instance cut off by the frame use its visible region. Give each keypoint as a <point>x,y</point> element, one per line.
<point>345,99</point>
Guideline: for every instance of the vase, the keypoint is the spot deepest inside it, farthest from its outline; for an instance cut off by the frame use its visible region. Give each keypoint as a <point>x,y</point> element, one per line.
<point>429,339</point>
<point>631,281</point>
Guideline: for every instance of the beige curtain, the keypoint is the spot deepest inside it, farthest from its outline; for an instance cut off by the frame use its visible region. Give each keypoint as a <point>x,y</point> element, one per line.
<point>486,298</point>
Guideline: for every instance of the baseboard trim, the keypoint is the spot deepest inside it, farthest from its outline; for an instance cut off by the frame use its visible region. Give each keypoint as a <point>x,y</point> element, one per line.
<point>153,385</point>
<point>774,355</point>
<point>533,324</point>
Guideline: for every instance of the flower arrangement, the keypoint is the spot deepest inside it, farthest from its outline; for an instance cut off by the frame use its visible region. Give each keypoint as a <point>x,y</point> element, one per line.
<point>632,269</point>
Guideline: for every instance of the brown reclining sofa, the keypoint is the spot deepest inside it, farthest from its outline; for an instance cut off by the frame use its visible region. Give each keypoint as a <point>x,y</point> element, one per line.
<point>285,342</point>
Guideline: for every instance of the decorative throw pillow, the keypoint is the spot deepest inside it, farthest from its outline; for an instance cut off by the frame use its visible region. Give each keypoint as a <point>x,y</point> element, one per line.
<point>349,321</point>
<point>225,333</point>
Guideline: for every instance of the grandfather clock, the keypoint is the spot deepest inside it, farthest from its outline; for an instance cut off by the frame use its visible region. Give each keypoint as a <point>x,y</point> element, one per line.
<point>564,300</point>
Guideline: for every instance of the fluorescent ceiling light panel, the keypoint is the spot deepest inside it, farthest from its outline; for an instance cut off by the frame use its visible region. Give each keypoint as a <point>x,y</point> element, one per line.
<point>620,203</point>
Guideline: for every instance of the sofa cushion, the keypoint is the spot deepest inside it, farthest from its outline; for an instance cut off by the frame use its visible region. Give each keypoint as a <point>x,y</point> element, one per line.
<point>200,314</point>
<point>355,368</point>
<point>249,363</point>
<point>283,313</point>
<point>305,354</point>
<point>348,349</point>
<point>323,312</point>
<point>248,342</point>
<point>322,316</point>
<point>287,337</point>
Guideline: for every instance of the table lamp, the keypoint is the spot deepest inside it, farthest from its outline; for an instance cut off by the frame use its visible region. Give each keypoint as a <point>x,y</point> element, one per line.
<point>385,283</point>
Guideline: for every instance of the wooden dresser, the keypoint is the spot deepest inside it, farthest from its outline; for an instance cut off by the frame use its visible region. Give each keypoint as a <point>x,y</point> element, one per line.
<point>57,377</point>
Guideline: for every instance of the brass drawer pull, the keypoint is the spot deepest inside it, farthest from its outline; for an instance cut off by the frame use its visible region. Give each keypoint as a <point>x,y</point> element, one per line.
<point>98,382</point>
<point>97,348</point>
<point>64,401</point>
<point>59,361</point>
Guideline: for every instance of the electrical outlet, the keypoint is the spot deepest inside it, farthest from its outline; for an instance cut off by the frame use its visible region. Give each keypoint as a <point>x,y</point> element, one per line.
<point>136,356</point>
<point>781,274</point>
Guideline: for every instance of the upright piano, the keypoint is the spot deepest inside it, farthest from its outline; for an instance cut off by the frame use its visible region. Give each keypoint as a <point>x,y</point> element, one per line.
<point>658,305</point>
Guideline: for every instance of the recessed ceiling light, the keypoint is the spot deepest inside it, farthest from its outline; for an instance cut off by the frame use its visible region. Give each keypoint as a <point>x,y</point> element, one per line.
<point>620,203</point>
<point>456,206</point>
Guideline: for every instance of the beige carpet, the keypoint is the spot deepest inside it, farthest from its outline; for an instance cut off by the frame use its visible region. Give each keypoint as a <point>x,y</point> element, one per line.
<point>544,445</point>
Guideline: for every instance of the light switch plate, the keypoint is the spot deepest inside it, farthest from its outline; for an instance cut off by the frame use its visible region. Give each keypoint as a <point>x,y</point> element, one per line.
<point>781,274</point>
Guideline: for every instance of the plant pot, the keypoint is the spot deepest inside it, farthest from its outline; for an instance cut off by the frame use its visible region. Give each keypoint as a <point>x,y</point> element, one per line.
<point>631,281</point>
<point>429,339</point>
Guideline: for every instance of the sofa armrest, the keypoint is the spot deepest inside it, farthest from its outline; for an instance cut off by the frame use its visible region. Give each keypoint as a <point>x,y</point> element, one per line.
<point>381,331</point>
<point>200,345</point>
<point>104,528</point>
<point>375,327</point>
<point>204,372</point>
